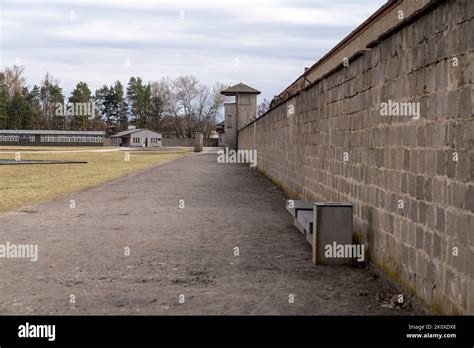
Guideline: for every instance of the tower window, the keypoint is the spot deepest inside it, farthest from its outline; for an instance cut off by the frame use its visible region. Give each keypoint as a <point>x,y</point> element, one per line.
<point>244,99</point>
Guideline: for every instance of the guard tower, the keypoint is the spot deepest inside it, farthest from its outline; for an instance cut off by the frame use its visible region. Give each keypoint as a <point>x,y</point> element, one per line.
<point>239,113</point>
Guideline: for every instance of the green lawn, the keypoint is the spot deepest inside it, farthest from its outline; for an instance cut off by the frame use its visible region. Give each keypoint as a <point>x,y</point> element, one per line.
<point>24,185</point>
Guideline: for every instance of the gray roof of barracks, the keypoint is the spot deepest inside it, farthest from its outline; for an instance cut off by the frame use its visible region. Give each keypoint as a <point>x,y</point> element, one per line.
<point>49,132</point>
<point>130,131</point>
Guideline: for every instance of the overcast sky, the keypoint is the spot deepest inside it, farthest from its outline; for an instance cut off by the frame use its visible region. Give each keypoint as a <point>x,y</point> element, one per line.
<point>265,44</point>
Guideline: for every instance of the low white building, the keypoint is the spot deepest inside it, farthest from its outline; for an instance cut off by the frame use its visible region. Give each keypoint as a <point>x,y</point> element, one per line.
<point>136,137</point>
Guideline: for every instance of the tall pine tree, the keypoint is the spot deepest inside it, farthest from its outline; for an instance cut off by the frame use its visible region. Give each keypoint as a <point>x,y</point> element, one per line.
<point>80,94</point>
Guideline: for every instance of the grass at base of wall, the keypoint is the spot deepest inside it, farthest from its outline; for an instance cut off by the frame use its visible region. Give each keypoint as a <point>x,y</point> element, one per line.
<point>288,193</point>
<point>25,185</point>
<point>395,276</point>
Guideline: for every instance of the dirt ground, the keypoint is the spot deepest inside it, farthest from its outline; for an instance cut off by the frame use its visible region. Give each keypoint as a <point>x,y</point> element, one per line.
<point>182,261</point>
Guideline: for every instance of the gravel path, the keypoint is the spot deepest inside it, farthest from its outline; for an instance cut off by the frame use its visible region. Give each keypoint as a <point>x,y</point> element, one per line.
<point>182,261</point>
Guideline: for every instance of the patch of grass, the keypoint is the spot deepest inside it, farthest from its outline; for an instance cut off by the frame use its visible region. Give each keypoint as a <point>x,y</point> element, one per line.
<point>24,185</point>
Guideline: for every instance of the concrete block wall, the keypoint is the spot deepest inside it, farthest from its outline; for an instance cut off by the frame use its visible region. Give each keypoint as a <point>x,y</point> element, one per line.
<point>413,201</point>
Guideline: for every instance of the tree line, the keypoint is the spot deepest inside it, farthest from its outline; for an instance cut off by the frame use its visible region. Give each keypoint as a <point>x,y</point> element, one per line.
<point>175,107</point>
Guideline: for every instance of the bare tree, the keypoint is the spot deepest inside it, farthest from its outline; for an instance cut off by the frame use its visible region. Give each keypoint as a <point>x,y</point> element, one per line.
<point>207,108</point>
<point>193,106</point>
<point>171,108</point>
<point>263,107</point>
<point>14,80</point>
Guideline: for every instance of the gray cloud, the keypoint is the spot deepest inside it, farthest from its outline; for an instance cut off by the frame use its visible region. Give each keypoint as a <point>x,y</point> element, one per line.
<point>266,44</point>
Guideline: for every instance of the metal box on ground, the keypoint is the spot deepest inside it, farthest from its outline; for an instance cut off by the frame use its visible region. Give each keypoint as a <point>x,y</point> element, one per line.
<point>332,229</point>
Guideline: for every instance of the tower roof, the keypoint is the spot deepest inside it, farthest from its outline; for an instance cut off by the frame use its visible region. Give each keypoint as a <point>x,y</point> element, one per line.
<point>239,88</point>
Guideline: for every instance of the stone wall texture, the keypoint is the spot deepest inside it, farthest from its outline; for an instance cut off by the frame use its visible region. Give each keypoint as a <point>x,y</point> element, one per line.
<point>410,180</point>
